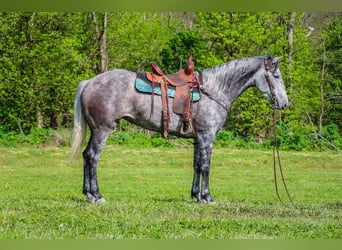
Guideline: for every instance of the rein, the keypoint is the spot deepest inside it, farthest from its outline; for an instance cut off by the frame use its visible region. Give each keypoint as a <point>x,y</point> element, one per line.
<point>215,99</point>
<point>276,149</point>
<point>276,154</point>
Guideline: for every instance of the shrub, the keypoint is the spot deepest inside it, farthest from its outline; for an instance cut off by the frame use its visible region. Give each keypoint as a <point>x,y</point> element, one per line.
<point>287,138</point>
<point>224,138</point>
<point>138,139</point>
<point>36,136</point>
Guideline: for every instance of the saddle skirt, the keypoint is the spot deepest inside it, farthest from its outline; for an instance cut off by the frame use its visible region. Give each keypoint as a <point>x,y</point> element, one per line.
<point>143,85</point>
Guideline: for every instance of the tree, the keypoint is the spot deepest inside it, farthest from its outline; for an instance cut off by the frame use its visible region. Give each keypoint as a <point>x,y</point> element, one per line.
<point>235,35</point>
<point>43,56</point>
<point>101,36</point>
<point>331,50</point>
<point>175,53</point>
<point>136,38</point>
<point>41,51</point>
<point>290,29</point>
<point>326,47</point>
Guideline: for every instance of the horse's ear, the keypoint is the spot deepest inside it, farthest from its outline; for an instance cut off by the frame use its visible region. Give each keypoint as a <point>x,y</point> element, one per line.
<point>275,63</point>
<point>277,59</point>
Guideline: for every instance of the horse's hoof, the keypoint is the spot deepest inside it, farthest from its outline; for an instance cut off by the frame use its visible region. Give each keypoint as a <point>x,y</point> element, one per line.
<point>101,201</point>
<point>207,199</point>
<point>92,199</point>
<point>196,196</point>
<point>212,202</point>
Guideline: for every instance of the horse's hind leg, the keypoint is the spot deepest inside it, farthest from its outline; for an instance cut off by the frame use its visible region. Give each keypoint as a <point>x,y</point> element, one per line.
<point>91,156</point>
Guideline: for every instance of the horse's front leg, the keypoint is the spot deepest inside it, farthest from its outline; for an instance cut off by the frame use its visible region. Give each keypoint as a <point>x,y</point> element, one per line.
<point>202,155</point>
<point>195,190</point>
<point>205,170</point>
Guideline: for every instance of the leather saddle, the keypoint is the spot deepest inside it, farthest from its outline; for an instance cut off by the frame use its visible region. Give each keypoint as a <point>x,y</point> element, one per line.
<point>184,82</point>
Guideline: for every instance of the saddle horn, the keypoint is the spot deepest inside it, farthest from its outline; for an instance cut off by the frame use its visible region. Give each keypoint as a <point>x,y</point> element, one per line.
<point>190,66</point>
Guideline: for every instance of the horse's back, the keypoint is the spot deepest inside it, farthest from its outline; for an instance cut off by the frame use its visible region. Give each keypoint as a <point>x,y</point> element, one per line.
<point>105,97</point>
<point>109,84</point>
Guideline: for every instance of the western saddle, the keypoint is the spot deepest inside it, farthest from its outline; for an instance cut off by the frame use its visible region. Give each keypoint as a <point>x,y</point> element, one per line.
<point>184,81</point>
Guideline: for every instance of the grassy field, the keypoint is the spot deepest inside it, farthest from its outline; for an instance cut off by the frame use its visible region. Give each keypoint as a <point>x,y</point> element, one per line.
<point>148,195</point>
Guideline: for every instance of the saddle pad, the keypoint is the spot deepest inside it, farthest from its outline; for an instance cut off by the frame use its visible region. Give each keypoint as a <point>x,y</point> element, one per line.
<point>144,86</point>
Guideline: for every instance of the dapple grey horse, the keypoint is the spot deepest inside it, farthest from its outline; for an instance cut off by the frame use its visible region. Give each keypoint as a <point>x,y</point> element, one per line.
<point>108,97</point>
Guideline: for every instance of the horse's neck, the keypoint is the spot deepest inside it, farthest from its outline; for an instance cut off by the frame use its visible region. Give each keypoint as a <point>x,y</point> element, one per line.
<point>229,80</point>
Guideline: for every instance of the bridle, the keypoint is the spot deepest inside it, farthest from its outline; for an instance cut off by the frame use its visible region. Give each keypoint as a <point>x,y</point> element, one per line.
<point>275,145</point>
<point>269,81</point>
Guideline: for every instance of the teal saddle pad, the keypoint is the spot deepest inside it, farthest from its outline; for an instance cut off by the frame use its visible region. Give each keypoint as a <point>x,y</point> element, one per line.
<point>145,86</point>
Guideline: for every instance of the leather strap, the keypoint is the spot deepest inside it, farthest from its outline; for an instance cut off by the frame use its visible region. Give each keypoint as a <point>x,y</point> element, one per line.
<point>165,107</point>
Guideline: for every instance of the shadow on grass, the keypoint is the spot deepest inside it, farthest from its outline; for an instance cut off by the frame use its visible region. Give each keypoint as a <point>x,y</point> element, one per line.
<point>175,200</point>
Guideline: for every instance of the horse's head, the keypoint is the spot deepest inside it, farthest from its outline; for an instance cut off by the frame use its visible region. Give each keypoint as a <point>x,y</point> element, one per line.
<point>271,84</point>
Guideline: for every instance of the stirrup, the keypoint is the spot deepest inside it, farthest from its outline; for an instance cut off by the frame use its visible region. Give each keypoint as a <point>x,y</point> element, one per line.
<point>186,128</point>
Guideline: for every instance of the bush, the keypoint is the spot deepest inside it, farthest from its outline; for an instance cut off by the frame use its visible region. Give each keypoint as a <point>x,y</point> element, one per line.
<point>332,134</point>
<point>331,137</point>
<point>287,138</point>
<point>231,139</point>
<point>138,139</point>
<point>302,140</point>
<point>36,136</point>
<point>224,138</point>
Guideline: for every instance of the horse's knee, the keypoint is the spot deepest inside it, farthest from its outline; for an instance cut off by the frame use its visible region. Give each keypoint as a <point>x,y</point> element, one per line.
<point>205,169</point>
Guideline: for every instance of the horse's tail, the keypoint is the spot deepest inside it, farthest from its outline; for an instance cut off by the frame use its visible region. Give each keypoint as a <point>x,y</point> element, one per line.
<point>80,125</point>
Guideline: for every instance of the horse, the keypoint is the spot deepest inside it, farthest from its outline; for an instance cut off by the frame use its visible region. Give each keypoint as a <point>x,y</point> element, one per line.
<point>102,101</point>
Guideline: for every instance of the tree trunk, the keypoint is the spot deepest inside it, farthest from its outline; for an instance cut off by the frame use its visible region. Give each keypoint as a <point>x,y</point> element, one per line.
<point>290,30</point>
<point>320,121</point>
<point>100,31</point>
<point>39,115</point>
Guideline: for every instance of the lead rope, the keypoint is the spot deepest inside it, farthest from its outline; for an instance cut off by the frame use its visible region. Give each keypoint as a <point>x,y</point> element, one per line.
<point>275,145</point>
<point>276,149</point>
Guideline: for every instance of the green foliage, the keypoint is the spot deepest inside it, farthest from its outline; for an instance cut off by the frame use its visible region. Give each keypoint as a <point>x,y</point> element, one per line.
<point>176,52</point>
<point>333,76</point>
<point>331,133</point>
<point>136,139</point>
<point>290,139</point>
<point>287,138</point>
<point>35,137</point>
<point>43,56</point>
<point>46,64</point>
<point>235,35</point>
<point>232,139</point>
<point>136,38</point>
<point>225,138</point>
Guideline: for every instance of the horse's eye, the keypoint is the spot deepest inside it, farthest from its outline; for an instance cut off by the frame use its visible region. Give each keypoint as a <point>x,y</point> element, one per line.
<point>276,75</point>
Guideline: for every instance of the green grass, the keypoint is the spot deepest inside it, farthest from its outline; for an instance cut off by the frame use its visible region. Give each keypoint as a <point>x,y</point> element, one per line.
<point>148,195</point>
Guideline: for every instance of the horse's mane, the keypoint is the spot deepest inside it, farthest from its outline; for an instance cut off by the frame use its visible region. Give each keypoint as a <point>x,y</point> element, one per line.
<point>222,76</point>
